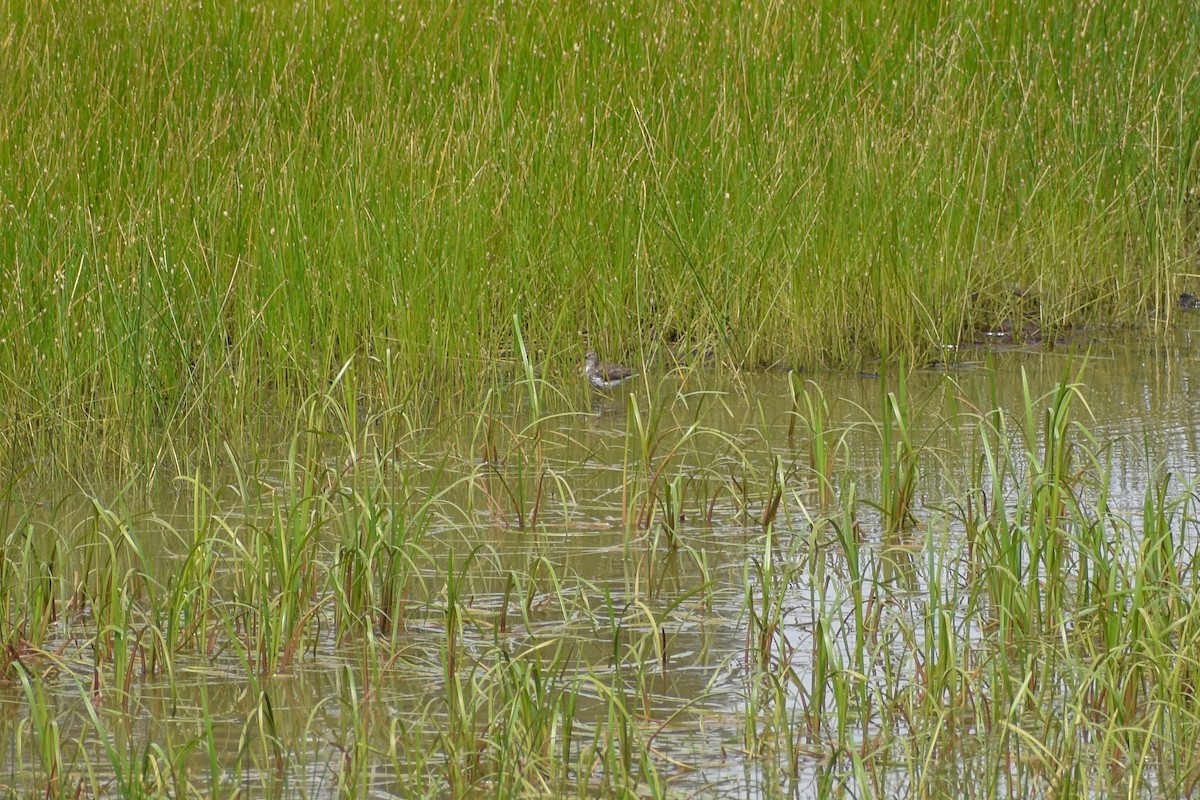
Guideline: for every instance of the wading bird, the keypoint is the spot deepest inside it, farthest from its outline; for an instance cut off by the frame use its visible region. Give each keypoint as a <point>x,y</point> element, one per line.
<point>604,376</point>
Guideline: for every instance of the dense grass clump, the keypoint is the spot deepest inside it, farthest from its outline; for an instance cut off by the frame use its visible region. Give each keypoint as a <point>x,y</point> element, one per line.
<point>209,210</point>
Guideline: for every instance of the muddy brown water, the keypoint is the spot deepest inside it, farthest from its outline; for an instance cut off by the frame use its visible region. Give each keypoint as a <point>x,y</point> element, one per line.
<point>599,581</point>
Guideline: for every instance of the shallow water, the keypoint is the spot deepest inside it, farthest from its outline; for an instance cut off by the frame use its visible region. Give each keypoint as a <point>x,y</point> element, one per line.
<point>598,591</point>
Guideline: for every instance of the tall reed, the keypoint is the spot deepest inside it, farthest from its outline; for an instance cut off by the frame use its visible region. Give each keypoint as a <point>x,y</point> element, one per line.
<point>207,214</point>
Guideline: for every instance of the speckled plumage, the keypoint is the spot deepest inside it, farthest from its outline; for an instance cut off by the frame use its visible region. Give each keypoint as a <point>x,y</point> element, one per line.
<point>604,376</point>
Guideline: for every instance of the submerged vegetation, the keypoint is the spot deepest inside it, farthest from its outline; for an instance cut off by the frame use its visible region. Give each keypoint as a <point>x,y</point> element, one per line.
<point>645,605</point>
<point>209,210</point>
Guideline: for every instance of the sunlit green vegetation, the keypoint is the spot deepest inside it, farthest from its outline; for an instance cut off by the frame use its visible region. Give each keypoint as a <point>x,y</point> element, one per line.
<point>208,209</point>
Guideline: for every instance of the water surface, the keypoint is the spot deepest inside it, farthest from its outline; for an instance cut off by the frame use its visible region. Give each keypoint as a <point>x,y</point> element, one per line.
<point>559,547</point>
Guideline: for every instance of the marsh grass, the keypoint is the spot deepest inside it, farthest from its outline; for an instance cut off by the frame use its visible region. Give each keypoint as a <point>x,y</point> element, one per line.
<point>1017,634</point>
<point>383,236</point>
<point>208,214</point>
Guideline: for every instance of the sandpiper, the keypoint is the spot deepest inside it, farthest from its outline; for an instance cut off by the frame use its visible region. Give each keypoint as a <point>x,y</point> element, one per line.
<point>604,376</point>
